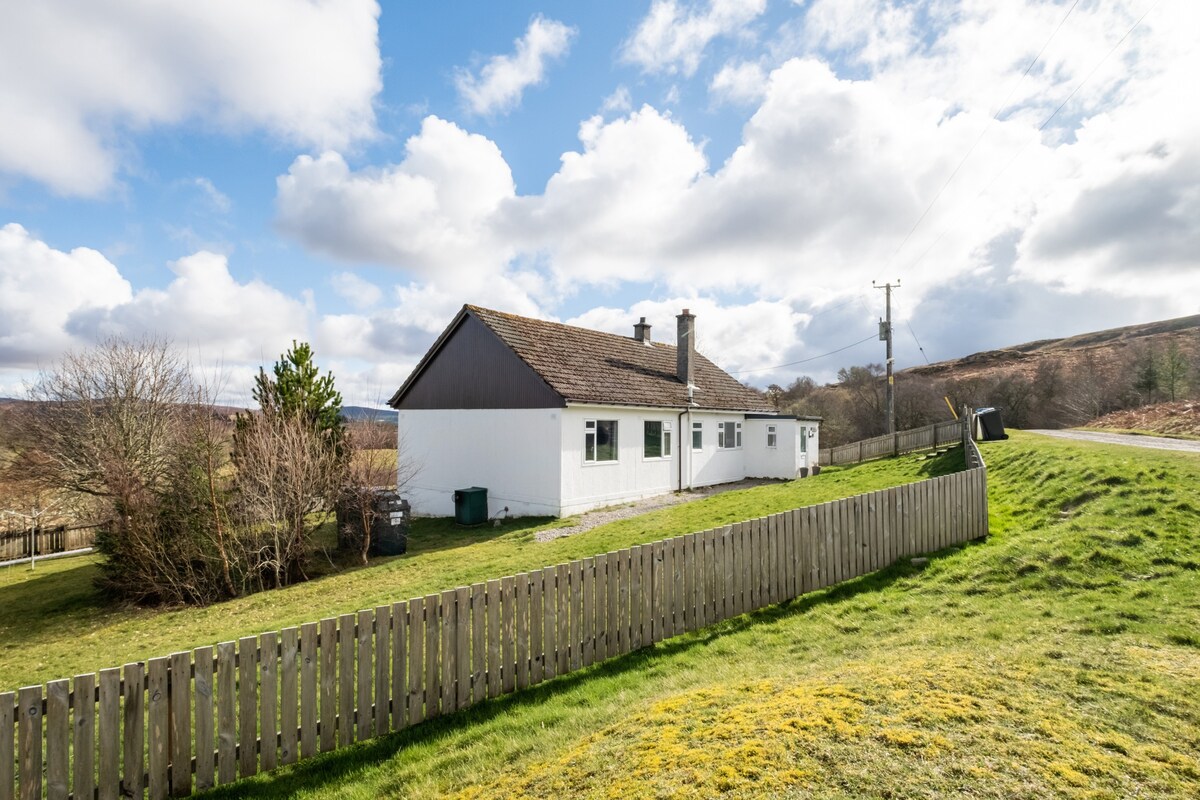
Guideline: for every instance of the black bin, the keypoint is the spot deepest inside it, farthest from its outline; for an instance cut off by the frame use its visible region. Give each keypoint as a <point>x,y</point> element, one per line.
<point>991,426</point>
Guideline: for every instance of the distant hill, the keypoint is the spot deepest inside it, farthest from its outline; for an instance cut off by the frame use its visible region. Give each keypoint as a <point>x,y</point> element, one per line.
<point>385,416</point>
<point>1024,358</point>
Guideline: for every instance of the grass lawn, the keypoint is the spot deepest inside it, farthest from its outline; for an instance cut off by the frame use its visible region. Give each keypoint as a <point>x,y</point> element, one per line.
<point>55,624</point>
<point>1061,657</point>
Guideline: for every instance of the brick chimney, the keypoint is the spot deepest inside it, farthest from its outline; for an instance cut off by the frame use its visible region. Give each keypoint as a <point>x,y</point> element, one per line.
<point>641,332</point>
<point>685,348</point>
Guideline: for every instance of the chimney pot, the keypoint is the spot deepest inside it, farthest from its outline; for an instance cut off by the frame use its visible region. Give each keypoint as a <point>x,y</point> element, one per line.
<point>641,332</point>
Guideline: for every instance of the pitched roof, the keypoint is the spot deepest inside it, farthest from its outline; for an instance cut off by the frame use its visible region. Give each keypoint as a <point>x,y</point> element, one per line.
<point>587,366</point>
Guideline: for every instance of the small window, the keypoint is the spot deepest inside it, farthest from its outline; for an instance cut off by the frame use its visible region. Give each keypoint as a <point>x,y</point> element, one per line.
<point>600,440</point>
<point>729,435</point>
<point>697,435</point>
<point>803,439</point>
<point>772,438</point>
<point>657,439</point>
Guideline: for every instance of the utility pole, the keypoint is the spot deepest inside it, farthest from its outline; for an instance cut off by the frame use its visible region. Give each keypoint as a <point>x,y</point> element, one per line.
<point>885,335</point>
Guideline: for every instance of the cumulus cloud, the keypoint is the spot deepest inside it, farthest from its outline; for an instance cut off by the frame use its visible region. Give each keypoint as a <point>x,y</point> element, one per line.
<point>504,78</point>
<point>356,291</point>
<point>79,76</point>
<point>429,214</point>
<point>41,288</point>
<point>742,83</point>
<point>206,307</point>
<point>673,36</point>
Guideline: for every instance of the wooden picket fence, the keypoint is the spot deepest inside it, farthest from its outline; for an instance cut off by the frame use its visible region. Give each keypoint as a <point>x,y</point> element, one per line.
<point>893,444</point>
<point>193,720</point>
<point>15,543</point>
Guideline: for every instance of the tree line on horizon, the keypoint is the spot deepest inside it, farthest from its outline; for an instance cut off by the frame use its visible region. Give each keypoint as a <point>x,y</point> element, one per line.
<point>1060,391</point>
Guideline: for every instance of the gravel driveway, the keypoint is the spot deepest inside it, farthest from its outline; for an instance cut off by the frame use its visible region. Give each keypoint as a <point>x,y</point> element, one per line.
<point>592,519</point>
<point>1153,442</point>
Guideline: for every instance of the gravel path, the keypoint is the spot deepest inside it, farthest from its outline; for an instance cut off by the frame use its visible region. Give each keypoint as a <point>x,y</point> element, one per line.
<point>1153,442</point>
<point>601,516</point>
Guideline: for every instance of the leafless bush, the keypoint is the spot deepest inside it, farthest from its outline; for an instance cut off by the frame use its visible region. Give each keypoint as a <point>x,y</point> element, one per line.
<point>125,424</point>
<point>377,461</point>
<point>288,478</point>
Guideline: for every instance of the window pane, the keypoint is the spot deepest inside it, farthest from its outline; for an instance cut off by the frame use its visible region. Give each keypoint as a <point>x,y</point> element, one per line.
<point>589,446</point>
<point>720,434</point>
<point>697,435</point>
<point>803,440</point>
<point>666,440</point>
<point>606,440</point>
<point>738,425</point>
<point>653,435</point>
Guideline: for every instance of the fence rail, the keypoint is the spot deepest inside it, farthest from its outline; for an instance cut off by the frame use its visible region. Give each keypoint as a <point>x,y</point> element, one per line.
<point>16,544</point>
<point>893,444</point>
<point>174,725</point>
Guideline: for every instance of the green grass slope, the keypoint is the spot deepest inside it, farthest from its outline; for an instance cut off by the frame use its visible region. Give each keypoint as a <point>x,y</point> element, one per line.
<point>1059,658</point>
<point>55,625</point>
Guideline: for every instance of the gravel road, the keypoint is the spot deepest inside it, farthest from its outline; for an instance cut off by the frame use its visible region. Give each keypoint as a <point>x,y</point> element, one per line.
<point>1153,442</point>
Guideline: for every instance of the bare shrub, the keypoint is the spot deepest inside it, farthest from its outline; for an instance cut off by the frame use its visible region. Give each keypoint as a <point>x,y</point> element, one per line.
<point>377,461</point>
<point>125,424</point>
<point>288,477</point>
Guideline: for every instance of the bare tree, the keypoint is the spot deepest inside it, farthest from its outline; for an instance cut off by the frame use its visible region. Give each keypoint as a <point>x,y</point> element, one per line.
<point>288,477</point>
<point>378,461</point>
<point>125,424</point>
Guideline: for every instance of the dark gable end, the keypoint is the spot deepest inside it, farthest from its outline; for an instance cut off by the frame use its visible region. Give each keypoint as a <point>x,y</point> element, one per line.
<point>470,367</point>
<point>489,359</point>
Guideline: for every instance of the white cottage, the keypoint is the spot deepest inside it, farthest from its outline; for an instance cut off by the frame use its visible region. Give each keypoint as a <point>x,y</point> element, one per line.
<point>553,419</point>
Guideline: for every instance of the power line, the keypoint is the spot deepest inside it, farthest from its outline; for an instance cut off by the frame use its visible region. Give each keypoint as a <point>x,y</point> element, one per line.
<point>918,341</point>
<point>804,360</point>
<point>999,109</point>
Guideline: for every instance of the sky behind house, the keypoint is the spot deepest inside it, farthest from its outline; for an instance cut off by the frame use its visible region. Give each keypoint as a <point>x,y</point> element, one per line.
<point>238,175</point>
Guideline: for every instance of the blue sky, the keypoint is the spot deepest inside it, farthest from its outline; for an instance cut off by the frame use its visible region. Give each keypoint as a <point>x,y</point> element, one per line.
<point>234,175</point>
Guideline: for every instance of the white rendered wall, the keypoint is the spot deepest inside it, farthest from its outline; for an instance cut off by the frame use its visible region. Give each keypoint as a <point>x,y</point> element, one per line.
<point>513,453</point>
<point>779,461</point>
<point>711,464</point>
<point>812,446</point>
<point>632,476</point>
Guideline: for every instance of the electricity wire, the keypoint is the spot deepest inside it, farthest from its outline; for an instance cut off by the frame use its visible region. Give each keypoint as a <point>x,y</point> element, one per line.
<point>804,360</point>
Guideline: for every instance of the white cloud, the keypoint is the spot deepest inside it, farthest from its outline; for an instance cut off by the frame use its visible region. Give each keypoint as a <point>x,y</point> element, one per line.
<point>41,288</point>
<point>742,83</point>
<point>205,307</point>
<point>672,37</point>
<point>504,78</point>
<point>356,291</point>
<point>429,214</point>
<point>619,101</point>
<point>735,336</point>
<point>81,76</point>
<point>219,201</point>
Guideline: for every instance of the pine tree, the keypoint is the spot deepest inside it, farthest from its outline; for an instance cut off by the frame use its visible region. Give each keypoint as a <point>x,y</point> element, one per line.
<point>296,387</point>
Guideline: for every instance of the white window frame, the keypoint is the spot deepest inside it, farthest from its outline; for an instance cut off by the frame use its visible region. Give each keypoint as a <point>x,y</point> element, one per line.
<point>724,429</point>
<point>591,429</point>
<point>665,441</point>
<point>772,437</point>
<point>697,428</point>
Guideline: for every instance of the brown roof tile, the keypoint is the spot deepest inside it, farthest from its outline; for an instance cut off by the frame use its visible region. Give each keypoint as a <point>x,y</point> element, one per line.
<point>588,366</point>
